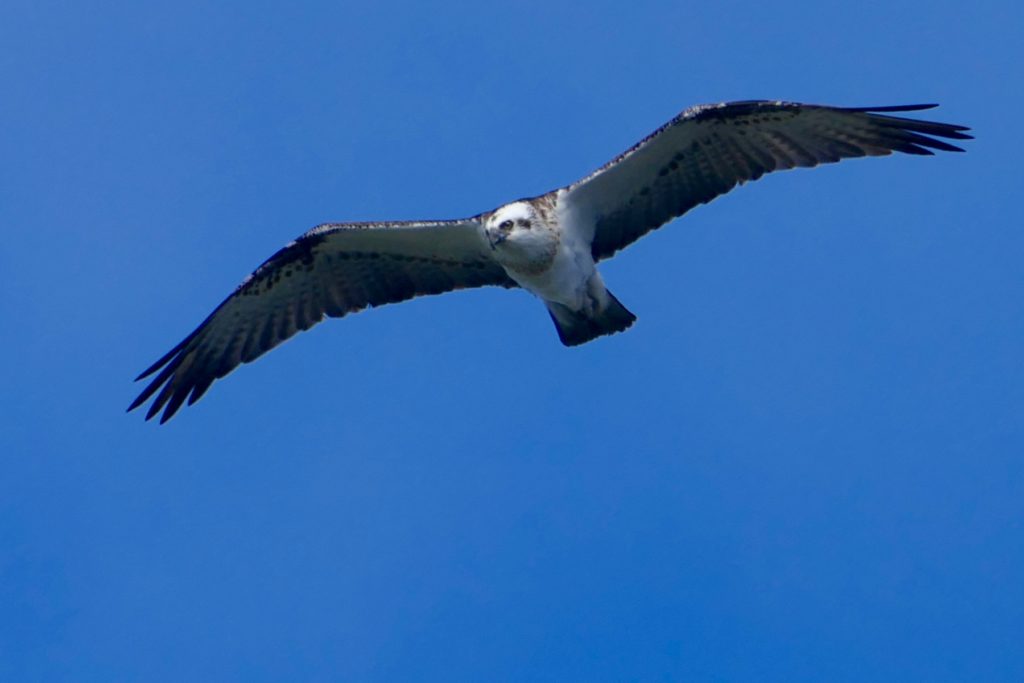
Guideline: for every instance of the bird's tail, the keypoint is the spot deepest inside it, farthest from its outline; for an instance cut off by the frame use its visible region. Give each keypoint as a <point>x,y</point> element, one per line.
<point>577,327</point>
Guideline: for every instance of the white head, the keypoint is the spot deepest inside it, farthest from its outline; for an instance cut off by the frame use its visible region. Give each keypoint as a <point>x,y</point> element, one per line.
<point>521,237</point>
<point>512,223</point>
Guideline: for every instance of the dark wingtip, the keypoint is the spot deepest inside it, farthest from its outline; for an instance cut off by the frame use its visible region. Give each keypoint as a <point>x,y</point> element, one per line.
<point>156,406</point>
<point>165,359</point>
<point>915,136</point>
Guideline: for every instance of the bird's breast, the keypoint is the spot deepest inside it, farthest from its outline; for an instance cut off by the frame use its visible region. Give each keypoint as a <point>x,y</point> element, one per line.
<point>530,254</point>
<point>561,275</point>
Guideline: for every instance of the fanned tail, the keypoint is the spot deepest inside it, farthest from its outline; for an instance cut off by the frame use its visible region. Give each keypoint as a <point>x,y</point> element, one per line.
<point>576,327</point>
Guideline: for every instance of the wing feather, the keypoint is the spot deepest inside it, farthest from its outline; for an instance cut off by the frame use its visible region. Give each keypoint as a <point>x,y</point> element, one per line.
<point>331,271</point>
<point>709,149</point>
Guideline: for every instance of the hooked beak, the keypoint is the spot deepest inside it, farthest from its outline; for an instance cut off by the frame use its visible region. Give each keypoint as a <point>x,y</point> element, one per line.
<point>496,237</point>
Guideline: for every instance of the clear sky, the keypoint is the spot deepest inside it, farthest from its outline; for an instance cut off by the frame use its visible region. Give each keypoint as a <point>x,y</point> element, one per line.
<point>804,462</point>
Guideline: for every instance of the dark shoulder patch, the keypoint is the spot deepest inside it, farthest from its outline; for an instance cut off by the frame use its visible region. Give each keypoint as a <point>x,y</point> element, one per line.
<point>301,251</point>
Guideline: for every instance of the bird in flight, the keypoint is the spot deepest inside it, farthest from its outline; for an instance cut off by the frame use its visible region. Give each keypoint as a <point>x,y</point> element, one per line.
<point>549,245</point>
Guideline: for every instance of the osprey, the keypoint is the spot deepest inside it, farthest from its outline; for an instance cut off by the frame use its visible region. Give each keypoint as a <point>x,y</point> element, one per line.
<point>548,245</point>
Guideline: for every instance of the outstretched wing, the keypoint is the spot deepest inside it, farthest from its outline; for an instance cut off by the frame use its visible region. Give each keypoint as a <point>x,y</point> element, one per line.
<point>709,149</point>
<point>332,270</point>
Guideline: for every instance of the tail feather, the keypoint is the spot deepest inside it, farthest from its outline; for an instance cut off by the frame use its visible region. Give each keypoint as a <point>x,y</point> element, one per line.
<point>576,327</point>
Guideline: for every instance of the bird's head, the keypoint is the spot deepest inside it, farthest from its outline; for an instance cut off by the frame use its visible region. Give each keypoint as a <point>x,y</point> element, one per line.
<point>521,237</point>
<point>514,224</point>
<point>511,223</point>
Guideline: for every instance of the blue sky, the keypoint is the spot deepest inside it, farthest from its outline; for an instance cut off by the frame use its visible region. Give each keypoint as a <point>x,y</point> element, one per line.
<point>802,463</point>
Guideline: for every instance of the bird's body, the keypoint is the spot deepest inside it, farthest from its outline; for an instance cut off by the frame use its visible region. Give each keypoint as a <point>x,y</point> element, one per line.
<point>548,245</point>
<point>545,247</point>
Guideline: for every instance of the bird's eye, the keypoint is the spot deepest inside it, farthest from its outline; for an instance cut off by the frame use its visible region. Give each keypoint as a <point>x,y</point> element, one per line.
<point>506,225</point>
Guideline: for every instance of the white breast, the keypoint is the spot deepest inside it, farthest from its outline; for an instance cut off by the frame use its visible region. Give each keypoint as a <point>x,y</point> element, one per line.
<point>567,278</point>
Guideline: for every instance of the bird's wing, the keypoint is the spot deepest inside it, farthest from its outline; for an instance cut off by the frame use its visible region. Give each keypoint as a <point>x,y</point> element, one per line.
<point>332,270</point>
<point>709,149</point>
